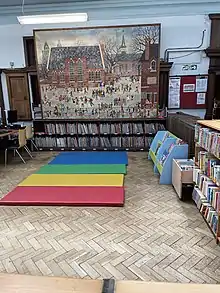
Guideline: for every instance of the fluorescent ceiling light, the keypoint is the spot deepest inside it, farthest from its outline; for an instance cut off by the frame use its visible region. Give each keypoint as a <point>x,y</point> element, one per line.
<point>53,18</point>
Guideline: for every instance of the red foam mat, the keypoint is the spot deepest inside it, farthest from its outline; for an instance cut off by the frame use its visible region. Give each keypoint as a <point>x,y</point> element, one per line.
<point>65,196</point>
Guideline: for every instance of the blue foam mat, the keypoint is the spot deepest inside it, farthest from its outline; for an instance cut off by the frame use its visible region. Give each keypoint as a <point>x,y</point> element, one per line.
<point>70,158</point>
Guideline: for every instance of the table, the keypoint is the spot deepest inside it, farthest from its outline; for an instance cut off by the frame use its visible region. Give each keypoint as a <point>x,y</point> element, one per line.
<point>10,132</point>
<point>10,283</point>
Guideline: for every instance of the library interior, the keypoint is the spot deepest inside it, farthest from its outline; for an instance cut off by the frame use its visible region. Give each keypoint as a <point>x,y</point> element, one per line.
<point>109,146</point>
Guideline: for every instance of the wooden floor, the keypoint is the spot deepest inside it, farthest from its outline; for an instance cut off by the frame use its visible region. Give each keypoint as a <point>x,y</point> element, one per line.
<point>34,284</point>
<point>154,237</point>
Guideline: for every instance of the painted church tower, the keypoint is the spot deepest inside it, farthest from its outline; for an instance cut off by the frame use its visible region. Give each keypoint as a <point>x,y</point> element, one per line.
<point>45,54</point>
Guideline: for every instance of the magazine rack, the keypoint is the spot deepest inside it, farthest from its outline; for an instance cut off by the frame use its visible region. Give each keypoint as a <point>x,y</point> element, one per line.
<point>164,148</point>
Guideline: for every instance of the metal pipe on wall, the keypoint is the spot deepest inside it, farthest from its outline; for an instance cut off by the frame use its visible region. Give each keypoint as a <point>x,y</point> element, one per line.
<point>186,49</point>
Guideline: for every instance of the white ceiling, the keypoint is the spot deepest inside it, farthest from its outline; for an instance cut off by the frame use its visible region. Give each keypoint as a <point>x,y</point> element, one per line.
<point>107,9</point>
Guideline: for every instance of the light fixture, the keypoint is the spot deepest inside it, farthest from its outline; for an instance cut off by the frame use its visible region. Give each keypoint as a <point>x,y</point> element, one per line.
<point>53,18</point>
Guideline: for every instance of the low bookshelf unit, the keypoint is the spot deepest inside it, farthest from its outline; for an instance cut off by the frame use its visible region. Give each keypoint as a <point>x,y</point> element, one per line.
<point>206,174</point>
<point>96,135</point>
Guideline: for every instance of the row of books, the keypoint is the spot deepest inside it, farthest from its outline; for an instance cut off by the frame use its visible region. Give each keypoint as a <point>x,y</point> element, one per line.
<point>110,128</point>
<point>88,142</point>
<point>208,139</point>
<point>209,165</point>
<point>206,209</point>
<point>207,188</point>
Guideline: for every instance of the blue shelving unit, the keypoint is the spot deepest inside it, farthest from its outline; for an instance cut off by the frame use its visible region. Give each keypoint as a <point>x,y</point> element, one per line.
<point>164,148</point>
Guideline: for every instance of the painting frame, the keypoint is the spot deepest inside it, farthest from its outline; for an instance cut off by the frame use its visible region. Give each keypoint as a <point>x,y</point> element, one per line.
<point>158,25</point>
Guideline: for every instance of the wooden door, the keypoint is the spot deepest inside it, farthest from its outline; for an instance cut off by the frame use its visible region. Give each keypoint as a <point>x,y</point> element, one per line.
<point>18,92</point>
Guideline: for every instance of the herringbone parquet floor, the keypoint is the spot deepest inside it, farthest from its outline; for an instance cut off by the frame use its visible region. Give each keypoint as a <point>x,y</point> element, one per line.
<point>154,237</point>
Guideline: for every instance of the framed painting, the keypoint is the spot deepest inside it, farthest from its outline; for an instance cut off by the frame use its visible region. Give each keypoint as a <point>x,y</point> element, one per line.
<point>99,72</point>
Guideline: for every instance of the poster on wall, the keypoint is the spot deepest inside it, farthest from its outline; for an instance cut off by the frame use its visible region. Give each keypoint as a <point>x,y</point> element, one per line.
<point>174,93</point>
<point>101,72</point>
<point>201,84</point>
<point>200,99</point>
<point>189,88</point>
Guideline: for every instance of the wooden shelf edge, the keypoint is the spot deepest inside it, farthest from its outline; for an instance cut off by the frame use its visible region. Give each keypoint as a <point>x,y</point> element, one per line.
<point>213,124</point>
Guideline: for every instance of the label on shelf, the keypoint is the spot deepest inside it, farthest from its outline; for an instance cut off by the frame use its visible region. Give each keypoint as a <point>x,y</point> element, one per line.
<point>51,149</point>
<point>94,149</point>
<point>73,149</point>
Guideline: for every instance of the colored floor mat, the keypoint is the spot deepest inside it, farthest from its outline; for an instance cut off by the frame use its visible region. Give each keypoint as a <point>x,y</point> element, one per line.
<point>84,196</point>
<point>79,158</point>
<point>83,169</point>
<point>73,180</point>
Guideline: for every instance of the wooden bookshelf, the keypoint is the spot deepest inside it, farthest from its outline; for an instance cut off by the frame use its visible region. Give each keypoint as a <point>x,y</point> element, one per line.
<point>97,134</point>
<point>207,201</point>
<point>213,124</point>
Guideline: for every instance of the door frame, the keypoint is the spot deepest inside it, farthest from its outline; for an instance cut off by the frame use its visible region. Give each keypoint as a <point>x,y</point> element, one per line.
<point>23,73</point>
<point>2,104</point>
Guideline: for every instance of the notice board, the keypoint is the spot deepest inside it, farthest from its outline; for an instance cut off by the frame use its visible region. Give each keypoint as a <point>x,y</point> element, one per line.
<point>187,92</point>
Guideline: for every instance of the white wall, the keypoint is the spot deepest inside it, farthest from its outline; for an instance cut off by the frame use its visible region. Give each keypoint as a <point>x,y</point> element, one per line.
<point>176,31</point>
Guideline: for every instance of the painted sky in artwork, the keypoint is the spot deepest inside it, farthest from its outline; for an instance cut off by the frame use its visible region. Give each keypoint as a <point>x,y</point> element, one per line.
<point>84,37</point>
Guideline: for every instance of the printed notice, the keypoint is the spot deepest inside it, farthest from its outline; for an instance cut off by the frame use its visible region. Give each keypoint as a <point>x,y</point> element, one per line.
<point>189,88</point>
<point>201,84</point>
<point>174,93</point>
<point>200,98</point>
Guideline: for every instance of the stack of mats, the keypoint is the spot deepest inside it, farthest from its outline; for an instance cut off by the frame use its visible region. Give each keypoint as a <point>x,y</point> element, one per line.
<point>74,178</point>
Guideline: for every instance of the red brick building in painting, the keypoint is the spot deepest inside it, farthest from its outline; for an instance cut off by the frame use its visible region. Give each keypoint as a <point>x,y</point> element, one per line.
<point>149,74</point>
<point>79,66</point>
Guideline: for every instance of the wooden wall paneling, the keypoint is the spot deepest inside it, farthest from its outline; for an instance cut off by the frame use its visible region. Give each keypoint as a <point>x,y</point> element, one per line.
<point>164,83</point>
<point>29,52</point>
<point>18,92</point>
<point>213,52</point>
<point>2,104</point>
<point>210,95</point>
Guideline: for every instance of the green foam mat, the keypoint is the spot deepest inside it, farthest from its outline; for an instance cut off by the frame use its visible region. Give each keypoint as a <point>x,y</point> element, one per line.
<point>83,169</point>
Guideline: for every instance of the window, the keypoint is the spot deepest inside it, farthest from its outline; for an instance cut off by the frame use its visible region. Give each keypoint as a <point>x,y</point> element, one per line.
<point>80,70</point>
<point>153,65</point>
<point>149,97</point>
<point>71,70</point>
<point>62,77</point>
<point>54,77</point>
<point>98,75</point>
<point>155,98</point>
<point>91,76</point>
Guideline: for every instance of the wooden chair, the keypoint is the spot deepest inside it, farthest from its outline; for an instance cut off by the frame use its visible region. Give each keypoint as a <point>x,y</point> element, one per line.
<point>21,143</point>
<point>30,137</point>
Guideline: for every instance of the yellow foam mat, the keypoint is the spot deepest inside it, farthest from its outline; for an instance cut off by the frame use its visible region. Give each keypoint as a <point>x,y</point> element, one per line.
<point>74,180</point>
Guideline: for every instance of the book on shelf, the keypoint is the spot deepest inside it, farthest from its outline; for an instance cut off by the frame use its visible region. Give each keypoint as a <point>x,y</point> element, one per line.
<point>206,209</point>
<point>153,127</point>
<point>148,141</point>
<point>105,128</point>
<point>209,190</point>
<point>138,128</point>
<point>209,165</point>
<point>208,139</point>
<point>115,128</point>
<point>87,128</point>
<point>71,128</point>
